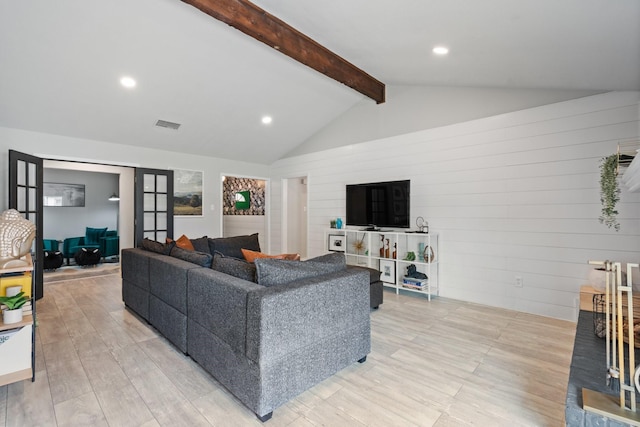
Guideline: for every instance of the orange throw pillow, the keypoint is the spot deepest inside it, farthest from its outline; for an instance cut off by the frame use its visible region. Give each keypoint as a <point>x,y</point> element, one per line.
<point>183,242</point>
<point>251,256</point>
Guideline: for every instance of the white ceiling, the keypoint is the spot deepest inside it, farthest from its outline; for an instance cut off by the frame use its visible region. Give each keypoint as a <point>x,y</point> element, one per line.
<point>60,62</point>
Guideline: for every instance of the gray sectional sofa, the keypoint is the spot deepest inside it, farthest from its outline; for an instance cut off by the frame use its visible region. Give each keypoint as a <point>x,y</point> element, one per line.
<point>266,342</point>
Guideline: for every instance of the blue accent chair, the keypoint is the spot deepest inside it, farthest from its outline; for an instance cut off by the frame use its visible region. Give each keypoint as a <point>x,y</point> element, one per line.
<point>90,240</point>
<point>110,244</point>
<point>51,245</point>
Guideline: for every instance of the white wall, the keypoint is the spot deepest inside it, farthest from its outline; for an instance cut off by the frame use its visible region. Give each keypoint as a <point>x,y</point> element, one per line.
<point>511,195</point>
<point>242,225</point>
<point>415,108</point>
<point>56,147</point>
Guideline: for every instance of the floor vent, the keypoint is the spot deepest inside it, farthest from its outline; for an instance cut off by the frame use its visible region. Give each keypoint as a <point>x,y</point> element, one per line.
<point>166,124</point>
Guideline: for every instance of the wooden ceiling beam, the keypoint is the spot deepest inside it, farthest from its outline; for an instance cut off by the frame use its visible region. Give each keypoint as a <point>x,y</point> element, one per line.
<point>259,24</point>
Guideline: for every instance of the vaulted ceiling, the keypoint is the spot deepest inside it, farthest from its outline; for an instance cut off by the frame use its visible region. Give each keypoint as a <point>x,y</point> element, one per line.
<point>61,61</point>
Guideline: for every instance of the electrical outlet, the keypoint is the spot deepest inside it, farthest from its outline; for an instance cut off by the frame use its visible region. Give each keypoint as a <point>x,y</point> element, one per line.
<point>518,283</point>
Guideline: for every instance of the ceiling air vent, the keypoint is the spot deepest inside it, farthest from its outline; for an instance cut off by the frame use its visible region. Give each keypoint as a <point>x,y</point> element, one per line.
<point>166,124</point>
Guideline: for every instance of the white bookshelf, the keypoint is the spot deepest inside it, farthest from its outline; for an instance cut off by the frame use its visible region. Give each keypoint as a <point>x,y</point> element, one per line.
<point>18,352</point>
<point>393,269</point>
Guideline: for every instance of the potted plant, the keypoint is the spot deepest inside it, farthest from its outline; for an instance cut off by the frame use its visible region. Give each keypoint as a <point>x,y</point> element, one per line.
<point>13,311</point>
<point>609,191</point>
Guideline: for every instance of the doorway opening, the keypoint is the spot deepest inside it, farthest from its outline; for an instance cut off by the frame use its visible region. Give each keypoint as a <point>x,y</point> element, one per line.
<point>115,214</point>
<point>294,215</point>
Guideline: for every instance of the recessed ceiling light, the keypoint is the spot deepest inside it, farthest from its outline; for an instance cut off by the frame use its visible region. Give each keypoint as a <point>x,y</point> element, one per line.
<point>266,120</point>
<point>128,82</point>
<point>440,50</point>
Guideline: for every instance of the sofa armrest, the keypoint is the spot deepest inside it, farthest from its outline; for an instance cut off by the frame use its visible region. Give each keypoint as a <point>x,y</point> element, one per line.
<point>217,302</point>
<point>284,319</point>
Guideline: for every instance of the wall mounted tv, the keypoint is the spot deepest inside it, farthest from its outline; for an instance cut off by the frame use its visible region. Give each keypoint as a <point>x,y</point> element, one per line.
<point>379,204</point>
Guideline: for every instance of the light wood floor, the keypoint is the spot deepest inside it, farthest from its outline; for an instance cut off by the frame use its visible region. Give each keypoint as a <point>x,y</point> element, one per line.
<point>438,363</point>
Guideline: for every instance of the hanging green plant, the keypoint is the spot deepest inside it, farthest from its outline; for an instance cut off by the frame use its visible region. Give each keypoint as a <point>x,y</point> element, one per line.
<point>609,191</point>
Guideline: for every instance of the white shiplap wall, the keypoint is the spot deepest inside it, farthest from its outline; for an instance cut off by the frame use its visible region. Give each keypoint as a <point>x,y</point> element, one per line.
<point>511,195</point>
<point>241,225</point>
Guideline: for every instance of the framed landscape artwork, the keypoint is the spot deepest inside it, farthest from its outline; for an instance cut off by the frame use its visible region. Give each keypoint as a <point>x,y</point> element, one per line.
<point>187,193</point>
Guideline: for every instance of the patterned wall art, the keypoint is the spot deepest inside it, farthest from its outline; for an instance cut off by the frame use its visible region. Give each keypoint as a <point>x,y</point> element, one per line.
<point>251,187</point>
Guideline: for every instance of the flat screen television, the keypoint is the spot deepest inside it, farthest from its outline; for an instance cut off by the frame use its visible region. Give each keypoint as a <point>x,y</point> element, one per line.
<point>379,204</point>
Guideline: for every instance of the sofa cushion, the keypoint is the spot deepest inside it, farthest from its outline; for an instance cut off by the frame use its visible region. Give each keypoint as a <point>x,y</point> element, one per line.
<point>182,242</point>
<point>232,246</point>
<point>153,246</point>
<point>92,235</point>
<point>251,256</point>
<point>201,244</point>
<point>274,272</point>
<point>199,258</point>
<point>234,267</point>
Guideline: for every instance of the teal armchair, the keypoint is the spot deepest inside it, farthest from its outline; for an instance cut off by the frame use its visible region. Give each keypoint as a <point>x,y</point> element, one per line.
<point>94,238</point>
<point>110,244</point>
<point>51,245</point>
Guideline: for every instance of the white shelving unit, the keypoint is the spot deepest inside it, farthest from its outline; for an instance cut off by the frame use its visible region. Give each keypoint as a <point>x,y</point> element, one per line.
<point>377,251</point>
<point>17,354</point>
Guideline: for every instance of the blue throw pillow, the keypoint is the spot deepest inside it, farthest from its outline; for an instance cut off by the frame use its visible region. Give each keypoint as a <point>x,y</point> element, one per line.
<point>92,235</point>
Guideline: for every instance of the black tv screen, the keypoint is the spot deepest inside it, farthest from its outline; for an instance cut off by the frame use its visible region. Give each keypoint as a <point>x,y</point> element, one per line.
<point>379,204</point>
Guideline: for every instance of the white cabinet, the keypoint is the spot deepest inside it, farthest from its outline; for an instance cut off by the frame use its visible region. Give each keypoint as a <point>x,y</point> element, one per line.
<point>390,252</point>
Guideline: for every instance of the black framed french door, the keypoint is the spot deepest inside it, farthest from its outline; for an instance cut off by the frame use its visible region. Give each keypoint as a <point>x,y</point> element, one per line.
<point>26,196</point>
<point>153,205</point>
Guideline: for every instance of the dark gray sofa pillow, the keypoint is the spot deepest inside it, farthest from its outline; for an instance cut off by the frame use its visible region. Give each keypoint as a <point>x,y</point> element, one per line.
<point>195,257</point>
<point>274,272</point>
<point>157,247</point>
<point>201,244</point>
<point>234,267</point>
<point>232,246</point>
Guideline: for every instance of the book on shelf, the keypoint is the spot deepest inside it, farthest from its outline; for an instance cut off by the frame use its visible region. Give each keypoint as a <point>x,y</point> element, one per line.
<point>27,308</point>
<point>5,335</point>
<point>413,281</point>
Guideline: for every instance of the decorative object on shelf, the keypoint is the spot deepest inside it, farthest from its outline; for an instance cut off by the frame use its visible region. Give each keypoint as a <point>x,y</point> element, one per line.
<point>336,242</point>
<point>411,256</point>
<point>413,273</point>
<point>395,251</point>
<point>332,223</point>
<point>423,226</point>
<point>12,313</point>
<point>388,271</point>
<point>609,191</point>
<point>12,291</point>
<point>382,247</point>
<point>339,223</point>
<point>427,254</point>
<point>386,248</point>
<point>16,237</point>
<point>358,244</point>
